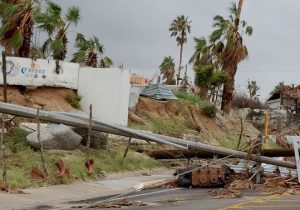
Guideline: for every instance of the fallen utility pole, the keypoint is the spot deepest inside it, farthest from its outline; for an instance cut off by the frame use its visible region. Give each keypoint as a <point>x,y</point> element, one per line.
<point>195,145</point>
<point>72,121</point>
<point>180,154</point>
<point>108,128</point>
<point>190,144</point>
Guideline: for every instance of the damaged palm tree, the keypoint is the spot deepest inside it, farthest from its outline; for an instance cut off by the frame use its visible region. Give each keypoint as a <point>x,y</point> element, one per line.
<point>17,25</point>
<point>228,43</point>
<point>89,51</point>
<point>52,22</point>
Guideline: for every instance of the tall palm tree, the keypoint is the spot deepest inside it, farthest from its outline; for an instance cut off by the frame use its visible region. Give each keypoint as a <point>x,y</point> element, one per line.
<point>228,44</point>
<point>179,28</point>
<point>89,50</point>
<point>167,69</point>
<point>56,25</point>
<point>17,25</point>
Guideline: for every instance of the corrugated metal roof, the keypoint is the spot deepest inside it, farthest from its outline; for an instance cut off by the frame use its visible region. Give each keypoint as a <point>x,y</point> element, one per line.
<point>158,92</point>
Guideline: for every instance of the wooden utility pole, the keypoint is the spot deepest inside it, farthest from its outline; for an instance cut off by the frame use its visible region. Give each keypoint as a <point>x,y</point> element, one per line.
<point>41,144</point>
<point>4,76</point>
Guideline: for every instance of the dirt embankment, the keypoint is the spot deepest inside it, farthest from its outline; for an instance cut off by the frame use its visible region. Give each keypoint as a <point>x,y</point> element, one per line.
<point>181,119</point>
<point>46,98</point>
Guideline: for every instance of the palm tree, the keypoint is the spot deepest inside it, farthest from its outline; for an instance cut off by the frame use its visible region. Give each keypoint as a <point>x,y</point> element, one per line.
<point>52,22</point>
<point>228,44</point>
<point>167,69</point>
<point>202,54</point>
<point>89,51</point>
<point>179,28</point>
<point>106,62</point>
<point>17,25</point>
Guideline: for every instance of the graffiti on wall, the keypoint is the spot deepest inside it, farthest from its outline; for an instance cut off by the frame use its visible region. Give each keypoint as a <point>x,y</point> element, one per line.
<point>13,68</point>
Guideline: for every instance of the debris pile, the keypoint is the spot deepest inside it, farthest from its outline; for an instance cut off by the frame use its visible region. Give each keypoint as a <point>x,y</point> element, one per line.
<point>279,185</point>
<point>114,204</point>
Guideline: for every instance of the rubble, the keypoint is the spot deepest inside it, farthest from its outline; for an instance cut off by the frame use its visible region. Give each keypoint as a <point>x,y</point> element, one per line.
<point>114,204</point>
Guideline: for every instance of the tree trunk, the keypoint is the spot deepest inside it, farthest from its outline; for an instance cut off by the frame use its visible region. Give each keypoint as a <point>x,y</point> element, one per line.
<point>91,60</point>
<point>228,87</point>
<point>24,50</point>
<point>180,61</point>
<point>238,13</point>
<point>61,56</point>
<point>230,66</point>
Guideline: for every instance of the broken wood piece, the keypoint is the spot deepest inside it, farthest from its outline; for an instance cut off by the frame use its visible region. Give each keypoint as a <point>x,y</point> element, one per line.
<point>37,173</point>
<point>172,182</point>
<point>226,193</point>
<point>90,166</point>
<point>62,170</point>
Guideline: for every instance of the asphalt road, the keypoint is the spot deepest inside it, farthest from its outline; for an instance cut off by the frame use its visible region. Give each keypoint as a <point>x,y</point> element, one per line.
<point>200,199</point>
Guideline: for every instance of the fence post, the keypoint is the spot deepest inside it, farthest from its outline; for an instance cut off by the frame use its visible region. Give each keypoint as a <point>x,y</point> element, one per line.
<point>88,142</point>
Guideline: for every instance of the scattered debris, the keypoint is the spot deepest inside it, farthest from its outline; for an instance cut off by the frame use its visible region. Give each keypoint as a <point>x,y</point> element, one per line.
<point>62,170</point>
<point>37,173</point>
<point>242,184</point>
<point>4,187</point>
<point>145,174</point>
<point>226,193</point>
<point>114,204</point>
<point>90,166</point>
<point>279,185</point>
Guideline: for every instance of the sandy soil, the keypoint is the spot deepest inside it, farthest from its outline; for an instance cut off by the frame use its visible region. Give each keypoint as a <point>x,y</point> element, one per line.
<point>46,98</point>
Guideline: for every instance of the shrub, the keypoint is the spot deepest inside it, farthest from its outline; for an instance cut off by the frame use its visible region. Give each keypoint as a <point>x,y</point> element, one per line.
<point>243,101</point>
<point>208,108</point>
<point>74,100</point>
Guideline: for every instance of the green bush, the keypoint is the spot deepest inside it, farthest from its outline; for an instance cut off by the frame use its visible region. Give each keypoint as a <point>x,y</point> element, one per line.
<point>188,97</point>
<point>209,109</point>
<point>74,100</point>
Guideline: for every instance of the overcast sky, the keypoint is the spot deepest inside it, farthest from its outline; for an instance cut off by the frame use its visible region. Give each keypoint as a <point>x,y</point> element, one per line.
<point>135,33</point>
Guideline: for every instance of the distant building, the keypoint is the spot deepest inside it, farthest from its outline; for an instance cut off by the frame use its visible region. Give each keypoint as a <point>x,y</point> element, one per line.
<point>288,98</point>
<point>135,79</point>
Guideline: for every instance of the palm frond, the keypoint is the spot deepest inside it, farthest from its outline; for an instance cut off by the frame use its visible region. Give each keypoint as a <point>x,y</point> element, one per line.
<point>16,40</point>
<point>73,15</point>
<point>233,9</point>
<point>57,46</point>
<point>249,30</point>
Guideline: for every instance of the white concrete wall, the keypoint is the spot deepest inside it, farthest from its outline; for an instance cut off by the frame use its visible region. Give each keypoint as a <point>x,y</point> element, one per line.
<point>108,91</point>
<point>274,104</point>
<point>25,71</point>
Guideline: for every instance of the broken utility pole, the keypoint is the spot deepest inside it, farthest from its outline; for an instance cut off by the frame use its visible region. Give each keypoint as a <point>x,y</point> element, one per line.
<point>79,121</point>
